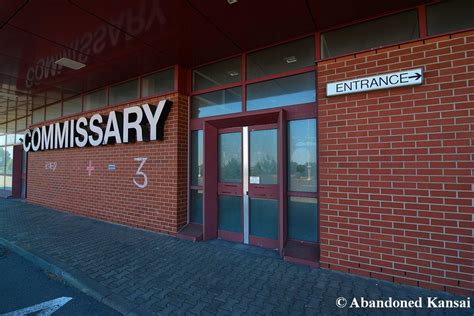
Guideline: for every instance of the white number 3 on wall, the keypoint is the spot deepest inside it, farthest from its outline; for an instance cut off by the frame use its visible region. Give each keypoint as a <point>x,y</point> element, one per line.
<point>140,174</point>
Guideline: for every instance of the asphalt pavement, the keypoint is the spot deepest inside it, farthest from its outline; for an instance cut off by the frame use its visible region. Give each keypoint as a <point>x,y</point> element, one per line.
<point>25,288</point>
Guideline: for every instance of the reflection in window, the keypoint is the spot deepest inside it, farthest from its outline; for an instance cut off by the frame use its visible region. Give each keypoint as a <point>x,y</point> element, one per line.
<point>53,111</point>
<point>217,74</point>
<point>302,218</point>
<point>285,57</point>
<point>95,100</point>
<point>264,218</point>
<point>196,206</point>
<point>38,116</point>
<point>8,183</point>
<point>448,16</point>
<point>291,90</point>
<point>197,159</point>
<point>9,160</point>
<point>2,159</point>
<point>387,30</point>
<point>158,83</point>
<point>230,157</point>
<point>230,213</point>
<point>21,124</point>
<point>123,92</point>
<point>217,103</point>
<point>11,133</point>
<point>264,156</point>
<point>302,155</point>
<point>72,106</point>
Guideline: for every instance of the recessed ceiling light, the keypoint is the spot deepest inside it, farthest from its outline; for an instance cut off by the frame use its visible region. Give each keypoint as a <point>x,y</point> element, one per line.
<point>290,59</point>
<point>232,1</point>
<point>69,63</point>
<point>233,73</point>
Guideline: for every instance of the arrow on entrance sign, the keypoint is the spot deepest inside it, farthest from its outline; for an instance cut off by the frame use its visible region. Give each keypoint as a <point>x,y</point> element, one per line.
<point>416,76</point>
<point>43,309</point>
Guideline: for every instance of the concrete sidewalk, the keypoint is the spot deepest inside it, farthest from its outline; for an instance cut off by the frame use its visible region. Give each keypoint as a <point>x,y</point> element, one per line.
<point>139,272</point>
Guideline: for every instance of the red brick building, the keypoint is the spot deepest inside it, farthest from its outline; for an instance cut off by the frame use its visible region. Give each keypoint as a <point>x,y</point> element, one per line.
<point>378,182</point>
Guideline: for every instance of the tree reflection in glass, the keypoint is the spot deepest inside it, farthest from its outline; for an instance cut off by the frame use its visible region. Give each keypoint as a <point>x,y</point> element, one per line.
<point>230,157</point>
<point>264,156</point>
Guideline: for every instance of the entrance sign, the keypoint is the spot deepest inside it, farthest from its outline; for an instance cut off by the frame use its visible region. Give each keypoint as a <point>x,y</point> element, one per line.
<point>135,124</point>
<point>384,81</point>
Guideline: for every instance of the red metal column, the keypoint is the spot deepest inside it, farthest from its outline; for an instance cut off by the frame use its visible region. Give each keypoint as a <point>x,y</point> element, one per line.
<point>17,172</point>
<point>210,182</point>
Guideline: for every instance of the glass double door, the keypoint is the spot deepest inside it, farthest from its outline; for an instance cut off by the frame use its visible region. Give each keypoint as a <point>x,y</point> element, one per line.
<point>248,185</point>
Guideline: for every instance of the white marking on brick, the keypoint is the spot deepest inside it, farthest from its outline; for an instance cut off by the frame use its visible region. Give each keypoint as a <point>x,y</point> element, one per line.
<point>43,309</point>
<point>90,168</point>
<point>141,174</point>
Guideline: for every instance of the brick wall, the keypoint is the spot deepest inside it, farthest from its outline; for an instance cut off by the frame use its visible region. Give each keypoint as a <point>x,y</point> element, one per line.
<point>396,167</point>
<point>112,195</point>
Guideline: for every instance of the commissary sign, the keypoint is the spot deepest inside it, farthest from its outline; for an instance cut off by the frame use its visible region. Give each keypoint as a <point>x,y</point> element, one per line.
<point>135,124</point>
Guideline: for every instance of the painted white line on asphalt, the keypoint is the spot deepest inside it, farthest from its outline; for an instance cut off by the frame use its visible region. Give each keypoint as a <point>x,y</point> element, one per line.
<point>43,309</point>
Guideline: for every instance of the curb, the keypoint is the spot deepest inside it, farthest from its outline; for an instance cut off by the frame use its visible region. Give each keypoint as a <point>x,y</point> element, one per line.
<point>78,280</point>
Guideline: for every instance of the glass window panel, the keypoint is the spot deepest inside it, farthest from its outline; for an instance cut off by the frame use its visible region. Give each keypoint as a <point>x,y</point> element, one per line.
<point>294,55</point>
<point>302,218</point>
<point>21,111</point>
<point>38,116</point>
<point>11,132</point>
<point>72,106</point>
<point>230,213</point>
<point>450,16</point>
<point>11,139</point>
<point>11,127</point>
<point>2,181</point>
<point>95,100</point>
<point>9,160</point>
<point>230,157</point>
<point>158,83</point>
<point>302,155</point>
<point>196,206</point>
<point>2,159</point>
<point>291,90</point>
<point>11,115</point>
<point>53,94</point>
<point>3,139</point>
<point>217,74</point>
<point>38,101</point>
<point>217,103</point>
<point>8,183</point>
<point>53,111</point>
<point>380,32</point>
<point>197,159</point>
<point>123,92</point>
<point>19,136</point>
<point>264,218</point>
<point>21,124</point>
<point>264,156</point>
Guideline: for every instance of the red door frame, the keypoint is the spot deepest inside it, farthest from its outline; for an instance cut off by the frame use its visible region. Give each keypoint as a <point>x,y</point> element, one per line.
<point>211,187</point>
<point>232,189</point>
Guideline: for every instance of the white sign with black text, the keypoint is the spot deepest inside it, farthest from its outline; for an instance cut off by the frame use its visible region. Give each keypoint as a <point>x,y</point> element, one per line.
<point>384,81</point>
